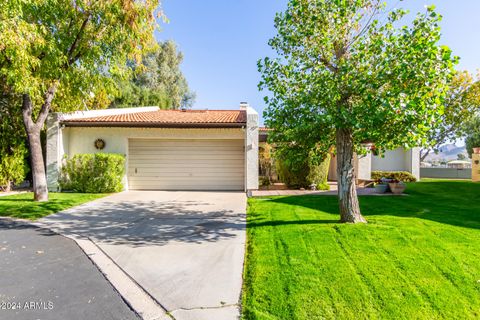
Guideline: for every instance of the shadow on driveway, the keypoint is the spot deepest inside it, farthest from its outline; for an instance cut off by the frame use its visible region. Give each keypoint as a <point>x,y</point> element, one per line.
<point>143,223</point>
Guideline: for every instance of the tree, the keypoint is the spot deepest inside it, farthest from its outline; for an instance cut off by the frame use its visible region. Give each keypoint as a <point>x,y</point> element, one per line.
<point>461,104</point>
<point>347,74</point>
<point>13,166</point>
<point>158,81</point>
<point>461,156</point>
<point>68,48</point>
<point>473,135</point>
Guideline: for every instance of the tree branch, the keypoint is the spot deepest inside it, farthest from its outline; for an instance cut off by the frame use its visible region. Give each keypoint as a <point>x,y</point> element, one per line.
<point>78,37</point>
<point>27,110</point>
<point>42,116</point>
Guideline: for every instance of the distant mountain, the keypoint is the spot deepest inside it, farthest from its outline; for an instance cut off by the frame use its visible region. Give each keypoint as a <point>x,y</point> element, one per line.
<point>448,152</point>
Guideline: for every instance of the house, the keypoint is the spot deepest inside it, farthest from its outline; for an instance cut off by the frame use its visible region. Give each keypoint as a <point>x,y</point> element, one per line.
<point>164,149</point>
<point>459,164</point>
<point>393,160</point>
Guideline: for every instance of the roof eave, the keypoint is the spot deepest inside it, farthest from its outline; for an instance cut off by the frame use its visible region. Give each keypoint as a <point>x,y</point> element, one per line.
<point>151,125</point>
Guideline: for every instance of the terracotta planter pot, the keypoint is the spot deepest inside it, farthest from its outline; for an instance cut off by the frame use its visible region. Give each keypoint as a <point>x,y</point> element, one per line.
<point>476,150</point>
<point>397,188</point>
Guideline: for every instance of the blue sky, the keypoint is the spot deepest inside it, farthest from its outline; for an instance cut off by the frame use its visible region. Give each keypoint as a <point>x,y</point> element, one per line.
<point>222,41</point>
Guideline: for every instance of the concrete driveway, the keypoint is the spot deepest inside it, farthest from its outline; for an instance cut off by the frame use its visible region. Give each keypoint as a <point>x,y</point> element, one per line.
<point>186,249</point>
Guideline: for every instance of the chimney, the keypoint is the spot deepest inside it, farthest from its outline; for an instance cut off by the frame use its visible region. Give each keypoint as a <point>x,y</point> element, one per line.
<point>244,105</point>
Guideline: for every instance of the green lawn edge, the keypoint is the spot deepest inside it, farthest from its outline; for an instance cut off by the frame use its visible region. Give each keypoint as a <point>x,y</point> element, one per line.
<point>22,206</point>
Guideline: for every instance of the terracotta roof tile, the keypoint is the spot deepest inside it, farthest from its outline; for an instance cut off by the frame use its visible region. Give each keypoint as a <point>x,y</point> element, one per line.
<point>169,117</point>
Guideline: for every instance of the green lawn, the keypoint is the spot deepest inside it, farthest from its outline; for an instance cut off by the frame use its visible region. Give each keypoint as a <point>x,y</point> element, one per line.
<point>22,205</point>
<point>418,258</point>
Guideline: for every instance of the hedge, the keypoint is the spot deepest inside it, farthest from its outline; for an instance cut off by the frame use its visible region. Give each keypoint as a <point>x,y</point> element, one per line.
<point>303,175</point>
<point>397,175</point>
<point>93,173</point>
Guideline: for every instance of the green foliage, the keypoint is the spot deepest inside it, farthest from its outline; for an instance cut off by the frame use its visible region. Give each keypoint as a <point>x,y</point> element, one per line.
<point>293,175</point>
<point>266,164</point>
<point>396,175</point>
<point>157,82</point>
<point>318,174</point>
<point>93,173</point>
<point>302,171</point>
<point>342,67</point>
<point>13,167</point>
<point>473,135</point>
<point>73,47</point>
<point>462,103</point>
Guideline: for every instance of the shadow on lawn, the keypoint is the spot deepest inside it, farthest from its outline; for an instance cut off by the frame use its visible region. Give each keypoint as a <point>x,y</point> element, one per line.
<point>273,223</point>
<point>451,202</point>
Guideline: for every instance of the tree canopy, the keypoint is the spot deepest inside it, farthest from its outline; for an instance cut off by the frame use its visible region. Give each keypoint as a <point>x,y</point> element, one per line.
<point>472,135</point>
<point>69,49</point>
<point>158,81</point>
<point>348,73</point>
<point>461,104</point>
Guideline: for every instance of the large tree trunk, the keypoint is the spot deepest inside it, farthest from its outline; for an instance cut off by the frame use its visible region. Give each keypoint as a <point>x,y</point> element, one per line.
<point>33,129</point>
<point>40,191</point>
<point>347,192</point>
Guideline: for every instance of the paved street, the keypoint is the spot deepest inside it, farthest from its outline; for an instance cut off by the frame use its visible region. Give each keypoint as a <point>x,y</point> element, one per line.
<point>47,276</point>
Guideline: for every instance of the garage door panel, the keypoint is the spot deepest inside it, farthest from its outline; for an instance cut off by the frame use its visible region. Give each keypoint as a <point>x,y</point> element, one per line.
<point>186,164</point>
<point>174,156</point>
<point>181,148</point>
<point>152,144</point>
<point>180,175</point>
<point>188,154</point>
<point>204,170</point>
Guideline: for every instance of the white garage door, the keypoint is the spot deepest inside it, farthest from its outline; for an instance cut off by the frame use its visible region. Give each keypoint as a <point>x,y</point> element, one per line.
<point>186,164</point>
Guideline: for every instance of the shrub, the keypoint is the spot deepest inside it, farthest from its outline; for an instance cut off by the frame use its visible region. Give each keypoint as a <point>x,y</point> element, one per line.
<point>13,167</point>
<point>294,175</point>
<point>396,175</point>
<point>303,174</point>
<point>266,164</point>
<point>93,173</point>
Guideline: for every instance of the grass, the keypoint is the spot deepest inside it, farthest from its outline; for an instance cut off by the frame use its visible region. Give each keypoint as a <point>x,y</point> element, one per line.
<point>22,205</point>
<point>417,258</point>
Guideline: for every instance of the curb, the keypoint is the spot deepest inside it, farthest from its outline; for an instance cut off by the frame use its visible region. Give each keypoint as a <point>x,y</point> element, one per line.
<point>131,292</point>
<point>134,295</point>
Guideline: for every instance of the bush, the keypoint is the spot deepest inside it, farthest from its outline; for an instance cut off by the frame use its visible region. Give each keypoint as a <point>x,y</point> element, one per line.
<point>13,167</point>
<point>303,174</point>
<point>397,175</point>
<point>93,173</point>
<point>266,164</point>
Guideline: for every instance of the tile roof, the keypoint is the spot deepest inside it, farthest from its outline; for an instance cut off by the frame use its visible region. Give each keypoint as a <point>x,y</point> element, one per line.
<point>167,118</point>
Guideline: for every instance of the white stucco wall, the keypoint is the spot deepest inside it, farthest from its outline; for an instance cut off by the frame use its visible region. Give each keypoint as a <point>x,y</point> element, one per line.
<point>251,149</point>
<point>364,167</point>
<point>398,160</point>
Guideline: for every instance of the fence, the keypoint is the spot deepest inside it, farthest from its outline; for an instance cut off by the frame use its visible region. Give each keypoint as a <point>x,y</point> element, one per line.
<point>446,173</point>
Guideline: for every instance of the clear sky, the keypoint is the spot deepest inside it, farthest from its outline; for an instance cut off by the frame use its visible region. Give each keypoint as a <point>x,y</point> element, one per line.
<point>222,41</point>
